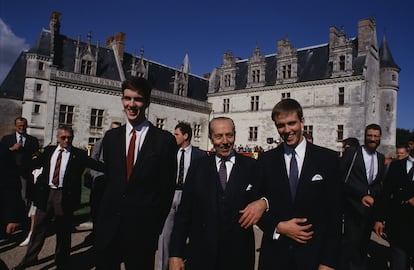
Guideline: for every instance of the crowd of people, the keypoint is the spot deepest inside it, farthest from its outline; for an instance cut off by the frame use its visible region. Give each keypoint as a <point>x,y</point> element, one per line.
<point>153,191</point>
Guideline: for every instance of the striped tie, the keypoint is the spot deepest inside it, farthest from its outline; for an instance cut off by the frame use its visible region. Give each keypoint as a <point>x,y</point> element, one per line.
<point>55,180</point>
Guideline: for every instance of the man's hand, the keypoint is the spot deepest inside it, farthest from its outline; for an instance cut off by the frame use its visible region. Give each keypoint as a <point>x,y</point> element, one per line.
<point>367,201</point>
<point>15,147</point>
<point>294,229</point>
<point>410,201</point>
<point>176,263</point>
<point>12,227</point>
<point>324,267</point>
<point>252,213</point>
<point>379,228</point>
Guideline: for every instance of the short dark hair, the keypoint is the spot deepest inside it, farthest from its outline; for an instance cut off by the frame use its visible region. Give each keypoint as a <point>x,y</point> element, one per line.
<point>351,141</point>
<point>185,128</point>
<point>411,138</point>
<point>20,119</point>
<point>286,106</point>
<point>220,118</point>
<point>66,128</point>
<point>141,85</point>
<point>374,127</point>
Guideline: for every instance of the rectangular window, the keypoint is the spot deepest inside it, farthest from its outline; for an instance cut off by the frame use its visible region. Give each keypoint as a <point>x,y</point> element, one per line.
<point>40,66</point>
<point>254,103</point>
<point>308,129</point>
<point>289,71</point>
<point>284,72</point>
<point>227,80</point>
<point>285,95</point>
<point>341,96</point>
<point>340,132</point>
<point>36,108</point>
<point>252,133</point>
<point>86,67</point>
<point>342,62</point>
<point>96,118</point>
<point>181,89</point>
<point>92,140</point>
<point>38,86</point>
<point>196,130</point>
<point>256,76</point>
<point>160,123</point>
<point>226,105</point>
<point>66,115</point>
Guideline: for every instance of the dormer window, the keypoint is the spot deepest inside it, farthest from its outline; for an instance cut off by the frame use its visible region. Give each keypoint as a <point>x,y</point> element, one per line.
<point>342,62</point>
<point>181,89</point>
<point>256,76</point>
<point>227,80</point>
<point>86,67</point>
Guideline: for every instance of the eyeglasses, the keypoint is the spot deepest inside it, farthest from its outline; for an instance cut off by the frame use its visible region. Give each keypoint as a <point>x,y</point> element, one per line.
<point>66,137</point>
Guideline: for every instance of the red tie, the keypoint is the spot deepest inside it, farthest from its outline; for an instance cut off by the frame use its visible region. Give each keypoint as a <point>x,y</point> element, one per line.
<point>130,156</point>
<point>56,172</point>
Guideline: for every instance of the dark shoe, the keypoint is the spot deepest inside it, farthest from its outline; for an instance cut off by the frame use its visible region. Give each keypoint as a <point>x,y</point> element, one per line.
<point>22,266</point>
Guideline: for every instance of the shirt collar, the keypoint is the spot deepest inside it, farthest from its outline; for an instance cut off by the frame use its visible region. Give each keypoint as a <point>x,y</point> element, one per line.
<point>186,149</point>
<point>138,127</point>
<point>299,149</point>
<point>231,158</point>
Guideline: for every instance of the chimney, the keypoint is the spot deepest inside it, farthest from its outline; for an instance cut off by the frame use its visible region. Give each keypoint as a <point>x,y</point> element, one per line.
<point>366,35</point>
<point>54,25</point>
<point>120,43</point>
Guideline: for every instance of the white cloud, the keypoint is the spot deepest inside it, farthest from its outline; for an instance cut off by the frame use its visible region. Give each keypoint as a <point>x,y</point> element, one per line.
<point>10,48</point>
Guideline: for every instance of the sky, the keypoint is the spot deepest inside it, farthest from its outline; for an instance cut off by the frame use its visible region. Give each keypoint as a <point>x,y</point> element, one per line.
<point>167,30</point>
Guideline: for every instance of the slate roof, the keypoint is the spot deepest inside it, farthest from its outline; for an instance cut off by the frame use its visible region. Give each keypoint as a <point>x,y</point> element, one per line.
<point>313,64</point>
<point>161,76</point>
<point>386,59</point>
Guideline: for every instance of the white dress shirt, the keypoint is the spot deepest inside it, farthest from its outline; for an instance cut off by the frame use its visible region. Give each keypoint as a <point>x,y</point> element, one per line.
<point>229,164</point>
<point>367,161</point>
<point>141,131</point>
<point>187,160</point>
<point>63,164</point>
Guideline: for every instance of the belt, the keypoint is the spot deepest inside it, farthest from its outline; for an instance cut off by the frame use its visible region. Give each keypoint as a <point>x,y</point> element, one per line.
<point>56,188</point>
<point>177,187</point>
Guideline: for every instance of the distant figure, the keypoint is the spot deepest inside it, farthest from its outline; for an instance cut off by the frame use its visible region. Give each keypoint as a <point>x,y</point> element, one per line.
<point>213,213</point>
<point>302,228</point>
<point>140,171</point>
<point>394,213</point>
<point>401,152</point>
<point>363,172</point>
<point>186,154</point>
<point>58,195</point>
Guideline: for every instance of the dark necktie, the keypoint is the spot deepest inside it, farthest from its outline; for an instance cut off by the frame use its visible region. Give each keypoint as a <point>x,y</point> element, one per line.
<point>223,173</point>
<point>371,169</point>
<point>56,172</point>
<point>293,174</point>
<point>180,181</point>
<point>21,139</point>
<point>130,156</point>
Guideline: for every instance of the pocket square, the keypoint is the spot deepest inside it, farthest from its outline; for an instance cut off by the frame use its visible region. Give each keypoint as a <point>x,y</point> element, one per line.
<point>249,187</point>
<point>317,177</point>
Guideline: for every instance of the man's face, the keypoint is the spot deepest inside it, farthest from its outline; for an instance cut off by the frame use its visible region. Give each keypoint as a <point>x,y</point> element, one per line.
<point>411,145</point>
<point>222,136</point>
<point>180,137</point>
<point>134,106</point>
<point>20,126</point>
<point>372,139</point>
<point>290,128</point>
<point>64,138</point>
<point>401,153</point>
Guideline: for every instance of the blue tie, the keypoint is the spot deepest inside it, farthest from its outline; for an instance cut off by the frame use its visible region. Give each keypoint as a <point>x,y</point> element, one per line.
<point>293,174</point>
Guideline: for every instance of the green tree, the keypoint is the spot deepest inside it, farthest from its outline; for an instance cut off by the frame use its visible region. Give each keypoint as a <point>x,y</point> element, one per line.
<point>403,135</point>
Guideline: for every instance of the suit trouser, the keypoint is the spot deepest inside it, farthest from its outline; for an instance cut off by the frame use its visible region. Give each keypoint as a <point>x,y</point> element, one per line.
<point>164,239</point>
<point>63,228</point>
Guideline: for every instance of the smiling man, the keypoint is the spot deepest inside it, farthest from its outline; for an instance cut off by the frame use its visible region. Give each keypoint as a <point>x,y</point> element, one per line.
<point>301,181</point>
<point>213,213</point>
<point>363,170</point>
<point>140,171</point>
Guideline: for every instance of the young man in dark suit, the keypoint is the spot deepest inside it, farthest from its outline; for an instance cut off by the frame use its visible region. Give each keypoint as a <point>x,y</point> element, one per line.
<point>394,212</point>
<point>213,213</point>
<point>140,171</point>
<point>186,154</point>
<point>57,195</point>
<point>22,147</point>
<point>363,170</point>
<point>301,230</point>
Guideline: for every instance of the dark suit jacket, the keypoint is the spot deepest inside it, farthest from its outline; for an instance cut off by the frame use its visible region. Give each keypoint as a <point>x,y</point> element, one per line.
<point>134,211</point>
<point>11,203</point>
<point>316,200</point>
<point>198,216</point>
<point>393,209</point>
<point>72,181</point>
<point>23,156</point>
<point>357,185</point>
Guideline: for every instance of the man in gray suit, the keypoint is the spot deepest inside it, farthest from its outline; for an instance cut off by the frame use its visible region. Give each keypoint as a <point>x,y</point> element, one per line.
<point>186,154</point>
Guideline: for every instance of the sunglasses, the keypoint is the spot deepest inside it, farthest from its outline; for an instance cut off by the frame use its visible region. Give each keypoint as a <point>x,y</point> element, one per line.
<point>66,137</point>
